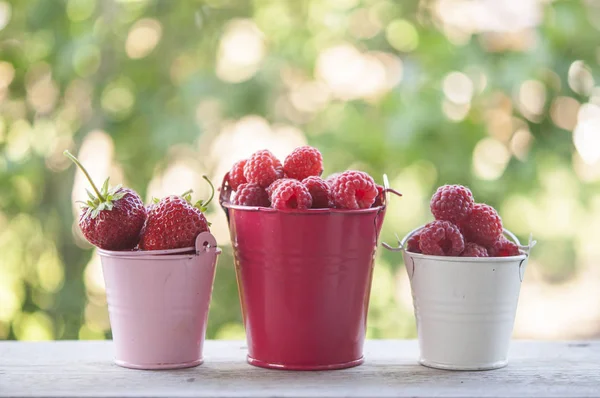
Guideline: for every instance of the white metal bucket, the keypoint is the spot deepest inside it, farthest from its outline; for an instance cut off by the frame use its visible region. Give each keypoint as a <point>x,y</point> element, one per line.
<point>465,307</point>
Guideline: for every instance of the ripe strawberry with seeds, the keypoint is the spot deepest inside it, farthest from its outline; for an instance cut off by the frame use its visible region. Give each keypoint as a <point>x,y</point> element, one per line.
<point>113,218</point>
<point>174,222</point>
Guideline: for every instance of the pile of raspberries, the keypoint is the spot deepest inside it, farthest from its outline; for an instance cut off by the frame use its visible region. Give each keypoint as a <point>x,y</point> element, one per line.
<point>461,228</point>
<point>262,180</point>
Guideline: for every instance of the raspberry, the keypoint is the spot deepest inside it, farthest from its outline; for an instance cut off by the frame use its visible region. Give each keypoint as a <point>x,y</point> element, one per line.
<point>263,168</point>
<point>483,226</point>
<point>503,248</point>
<point>331,178</point>
<point>319,191</point>
<point>412,245</point>
<point>251,195</point>
<point>236,175</point>
<point>380,199</point>
<point>451,203</point>
<point>304,161</point>
<point>474,250</point>
<point>441,238</point>
<point>275,184</point>
<point>353,190</point>
<point>291,194</point>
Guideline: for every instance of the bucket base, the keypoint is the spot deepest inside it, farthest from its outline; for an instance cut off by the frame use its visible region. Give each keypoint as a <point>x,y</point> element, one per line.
<point>280,366</point>
<point>159,366</point>
<point>444,366</point>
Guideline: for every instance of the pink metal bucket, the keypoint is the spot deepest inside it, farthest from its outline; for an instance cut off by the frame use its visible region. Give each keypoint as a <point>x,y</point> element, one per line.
<point>158,304</point>
<point>304,279</point>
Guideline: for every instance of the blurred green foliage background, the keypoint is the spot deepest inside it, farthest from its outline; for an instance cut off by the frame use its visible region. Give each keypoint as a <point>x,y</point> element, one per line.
<point>498,95</point>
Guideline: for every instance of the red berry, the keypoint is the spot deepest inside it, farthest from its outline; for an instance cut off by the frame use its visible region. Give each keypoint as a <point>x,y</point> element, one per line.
<point>441,238</point>
<point>474,250</point>
<point>503,248</point>
<point>319,191</point>
<point>353,190</point>
<point>116,228</point>
<point>263,168</point>
<point>236,175</point>
<point>412,245</point>
<point>113,219</point>
<point>304,161</point>
<point>251,195</point>
<point>483,226</point>
<point>451,203</point>
<point>275,184</point>
<point>291,194</point>
<point>331,178</point>
<point>380,199</point>
<point>172,223</point>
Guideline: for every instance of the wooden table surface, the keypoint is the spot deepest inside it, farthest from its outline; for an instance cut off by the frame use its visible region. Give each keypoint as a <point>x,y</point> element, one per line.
<point>69,369</point>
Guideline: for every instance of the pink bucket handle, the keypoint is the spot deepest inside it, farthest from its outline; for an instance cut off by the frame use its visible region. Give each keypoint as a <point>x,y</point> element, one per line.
<point>205,243</point>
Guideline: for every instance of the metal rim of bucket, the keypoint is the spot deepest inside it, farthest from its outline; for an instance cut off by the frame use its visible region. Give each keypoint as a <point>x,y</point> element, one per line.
<point>302,211</point>
<point>205,241</point>
<point>225,202</point>
<point>524,249</point>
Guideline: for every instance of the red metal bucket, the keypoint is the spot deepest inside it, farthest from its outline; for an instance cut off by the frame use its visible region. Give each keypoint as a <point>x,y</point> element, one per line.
<point>304,279</point>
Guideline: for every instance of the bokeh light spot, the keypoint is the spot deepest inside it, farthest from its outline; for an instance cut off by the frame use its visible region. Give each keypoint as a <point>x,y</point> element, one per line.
<point>458,88</point>
<point>490,158</point>
<point>7,74</point>
<point>118,98</point>
<point>80,10</point>
<point>586,135</point>
<point>532,97</point>
<point>580,78</point>
<point>86,60</point>
<point>241,51</point>
<point>143,38</point>
<point>563,112</point>
<point>5,14</point>
<point>35,326</point>
<point>402,35</point>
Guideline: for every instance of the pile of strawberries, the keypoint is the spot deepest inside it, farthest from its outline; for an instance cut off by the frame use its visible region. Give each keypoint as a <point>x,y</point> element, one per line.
<point>461,228</point>
<point>116,219</point>
<point>262,180</point>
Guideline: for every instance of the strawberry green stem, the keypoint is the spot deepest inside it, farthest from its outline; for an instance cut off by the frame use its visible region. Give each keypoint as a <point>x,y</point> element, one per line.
<point>74,159</point>
<point>189,191</point>
<point>212,190</point>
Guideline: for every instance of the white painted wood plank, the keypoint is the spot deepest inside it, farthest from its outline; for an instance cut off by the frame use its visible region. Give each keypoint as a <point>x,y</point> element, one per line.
<point>69,369</point>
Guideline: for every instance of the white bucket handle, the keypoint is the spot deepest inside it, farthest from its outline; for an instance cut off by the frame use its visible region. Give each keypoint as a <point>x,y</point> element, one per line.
<point>402,243</point>
<point>524,248</point>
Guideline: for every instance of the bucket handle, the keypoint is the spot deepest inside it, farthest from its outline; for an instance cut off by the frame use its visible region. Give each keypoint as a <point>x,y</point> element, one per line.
<point>206,243</point>
<point>386,193</point>
<point>524,248</point>
<point>402,243</point>
<point>225,194</point>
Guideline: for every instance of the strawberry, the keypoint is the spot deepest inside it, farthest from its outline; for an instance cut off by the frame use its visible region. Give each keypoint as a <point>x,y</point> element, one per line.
<point>113,219</point>
<point>173,222</point>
